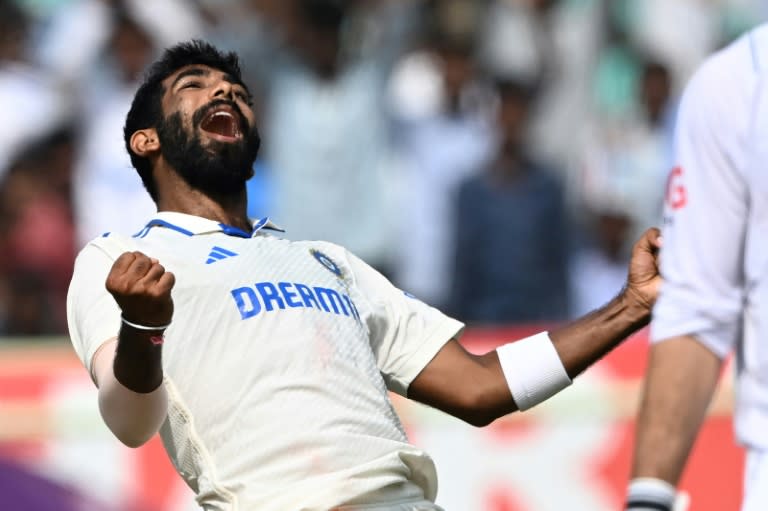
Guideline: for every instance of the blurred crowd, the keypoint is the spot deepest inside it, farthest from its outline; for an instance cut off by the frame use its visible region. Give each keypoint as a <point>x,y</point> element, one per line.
<point>495,158</point>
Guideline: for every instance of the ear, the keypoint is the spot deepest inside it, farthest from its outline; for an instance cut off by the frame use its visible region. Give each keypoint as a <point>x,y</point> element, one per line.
<point>145,142</point>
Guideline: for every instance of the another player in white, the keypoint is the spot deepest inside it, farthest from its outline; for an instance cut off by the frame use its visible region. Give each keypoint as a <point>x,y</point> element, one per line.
<point>714,300</point>
<point>265,363</point>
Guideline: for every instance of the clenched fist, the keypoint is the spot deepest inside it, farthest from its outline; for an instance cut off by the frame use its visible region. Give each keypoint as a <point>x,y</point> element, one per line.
<point>644,280</point>
<point>142,289</point>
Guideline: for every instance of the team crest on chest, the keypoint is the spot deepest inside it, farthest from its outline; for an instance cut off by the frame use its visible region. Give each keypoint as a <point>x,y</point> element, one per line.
<point>326,261</point>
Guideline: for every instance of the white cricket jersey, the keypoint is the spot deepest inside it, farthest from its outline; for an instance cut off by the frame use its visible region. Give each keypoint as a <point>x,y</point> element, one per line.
<point>277,366</point>
<point>715,255</point>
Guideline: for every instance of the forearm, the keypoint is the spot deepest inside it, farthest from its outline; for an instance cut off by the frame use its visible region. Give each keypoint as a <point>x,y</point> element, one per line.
<point>521,374</point>
<point>680,381</point>
<point>138,361</point>
<point>586,340</point>
<point>538,367</point>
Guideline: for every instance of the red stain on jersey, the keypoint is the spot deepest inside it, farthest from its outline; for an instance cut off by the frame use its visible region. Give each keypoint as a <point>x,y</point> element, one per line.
<point>677,195</point>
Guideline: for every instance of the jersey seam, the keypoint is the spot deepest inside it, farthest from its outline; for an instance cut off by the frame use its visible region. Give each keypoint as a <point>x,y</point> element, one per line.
<point>197,444</point>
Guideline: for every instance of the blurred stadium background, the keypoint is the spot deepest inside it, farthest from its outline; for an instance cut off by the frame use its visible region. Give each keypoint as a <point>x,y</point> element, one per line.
<point>493,157</point>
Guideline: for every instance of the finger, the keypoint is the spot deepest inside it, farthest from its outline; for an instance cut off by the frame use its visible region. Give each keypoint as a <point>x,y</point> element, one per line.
<point>648,242</point>
<point>656,238</point>
<point>139,267</point>
<point>166,282</point>
<point>156,270</point>
<point>123,262</point>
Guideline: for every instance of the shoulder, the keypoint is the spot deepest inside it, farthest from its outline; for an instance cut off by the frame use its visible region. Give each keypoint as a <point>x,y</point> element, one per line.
<point>730,72</point>
<point>99,254</point>
<point>112,245</point>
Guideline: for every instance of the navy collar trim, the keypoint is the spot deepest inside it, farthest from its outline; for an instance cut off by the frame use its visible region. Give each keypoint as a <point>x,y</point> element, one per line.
<point>190,225</point>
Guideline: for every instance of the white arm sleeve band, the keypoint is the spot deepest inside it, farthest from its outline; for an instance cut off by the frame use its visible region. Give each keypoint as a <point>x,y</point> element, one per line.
<point>533,370</point>
<point>650,494</point>
<point>133,418</point>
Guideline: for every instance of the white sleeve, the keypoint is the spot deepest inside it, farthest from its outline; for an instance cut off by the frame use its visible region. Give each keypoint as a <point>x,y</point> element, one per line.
<point>93,316</point>
<point>706,209</point>
<point>132,417</point>
<point>405,333</point>
<point>94,322</point>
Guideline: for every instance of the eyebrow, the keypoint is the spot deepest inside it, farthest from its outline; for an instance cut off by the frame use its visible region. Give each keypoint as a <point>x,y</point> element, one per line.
<point>201,71</point>
<point>192,71</point>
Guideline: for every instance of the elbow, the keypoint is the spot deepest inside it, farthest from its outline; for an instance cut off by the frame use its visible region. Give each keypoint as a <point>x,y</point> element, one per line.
<point>481,407</point>
<point>132,439</point>
<point>132,432</point>
<point>479,420</point>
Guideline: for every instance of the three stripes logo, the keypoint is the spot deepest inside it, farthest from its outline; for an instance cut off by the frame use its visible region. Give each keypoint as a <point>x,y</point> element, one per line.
<point>218,253</point>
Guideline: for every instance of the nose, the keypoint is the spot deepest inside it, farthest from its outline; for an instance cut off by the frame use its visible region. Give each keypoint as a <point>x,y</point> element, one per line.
<point>223,89</point>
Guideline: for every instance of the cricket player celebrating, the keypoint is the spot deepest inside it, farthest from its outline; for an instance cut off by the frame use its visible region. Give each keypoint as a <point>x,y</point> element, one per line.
<point>715,264</point>
<point>265,363</point>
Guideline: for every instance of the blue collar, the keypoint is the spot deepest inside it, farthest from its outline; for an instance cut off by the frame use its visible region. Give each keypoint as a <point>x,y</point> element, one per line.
<point>191,225</point>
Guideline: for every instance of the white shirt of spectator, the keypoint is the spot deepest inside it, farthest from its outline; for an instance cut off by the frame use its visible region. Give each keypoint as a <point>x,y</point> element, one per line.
<point>715,255</point>
<point>277,365</point>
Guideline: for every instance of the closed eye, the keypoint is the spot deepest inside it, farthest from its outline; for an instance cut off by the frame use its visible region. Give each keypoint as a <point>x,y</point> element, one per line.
<point>244,97</point>
<point>192,84</point>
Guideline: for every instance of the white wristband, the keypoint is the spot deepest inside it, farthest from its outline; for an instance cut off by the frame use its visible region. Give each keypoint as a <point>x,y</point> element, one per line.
<point>650,494</point>
<point>533,370</point>
<point>147,328</point>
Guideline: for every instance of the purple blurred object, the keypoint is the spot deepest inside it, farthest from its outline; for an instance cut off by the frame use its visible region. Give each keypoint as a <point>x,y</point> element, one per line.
<point>23,490</point>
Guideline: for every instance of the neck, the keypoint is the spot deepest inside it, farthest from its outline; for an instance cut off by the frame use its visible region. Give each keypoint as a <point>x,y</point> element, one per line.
<point>175,194</point>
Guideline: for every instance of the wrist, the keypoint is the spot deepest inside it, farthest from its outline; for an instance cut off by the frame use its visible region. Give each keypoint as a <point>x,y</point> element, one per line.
<point>145,327</point>
<point>650,494</point>
<point>138,358</point>
<point>638,309</point>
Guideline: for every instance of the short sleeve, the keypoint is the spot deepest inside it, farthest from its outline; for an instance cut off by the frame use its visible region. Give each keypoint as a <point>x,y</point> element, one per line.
<point>93,316</point>
<point>405,333</point>
<point>706,208</point>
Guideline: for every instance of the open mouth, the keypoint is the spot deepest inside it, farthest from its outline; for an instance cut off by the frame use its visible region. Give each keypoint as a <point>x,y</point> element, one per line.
<point>222,123</point>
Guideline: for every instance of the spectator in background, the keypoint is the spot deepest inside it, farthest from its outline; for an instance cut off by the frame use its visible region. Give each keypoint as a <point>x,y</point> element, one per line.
<point>440,149</point>
<point>627,158</point>
<point>618,188</point>
<point>29,99</point>
<point>325,65</point>
<point>556,43</point>
<point>75,32</point>
<point>601,263</point>
<point>37,241</point>
<point>511,234</point>
<point>108,194</point>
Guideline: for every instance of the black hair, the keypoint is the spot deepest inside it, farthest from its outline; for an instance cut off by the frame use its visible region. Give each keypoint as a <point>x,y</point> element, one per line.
<point>146,110</point>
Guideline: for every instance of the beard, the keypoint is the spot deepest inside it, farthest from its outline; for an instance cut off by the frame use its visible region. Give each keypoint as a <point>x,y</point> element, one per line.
<point>218,169</point>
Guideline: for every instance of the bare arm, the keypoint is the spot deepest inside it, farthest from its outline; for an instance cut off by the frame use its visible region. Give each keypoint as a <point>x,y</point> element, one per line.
<point>474,388</point>
<point>681,379</point>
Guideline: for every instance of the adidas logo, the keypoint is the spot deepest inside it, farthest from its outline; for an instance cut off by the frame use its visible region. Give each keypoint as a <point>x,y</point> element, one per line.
<point>218,253</point>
